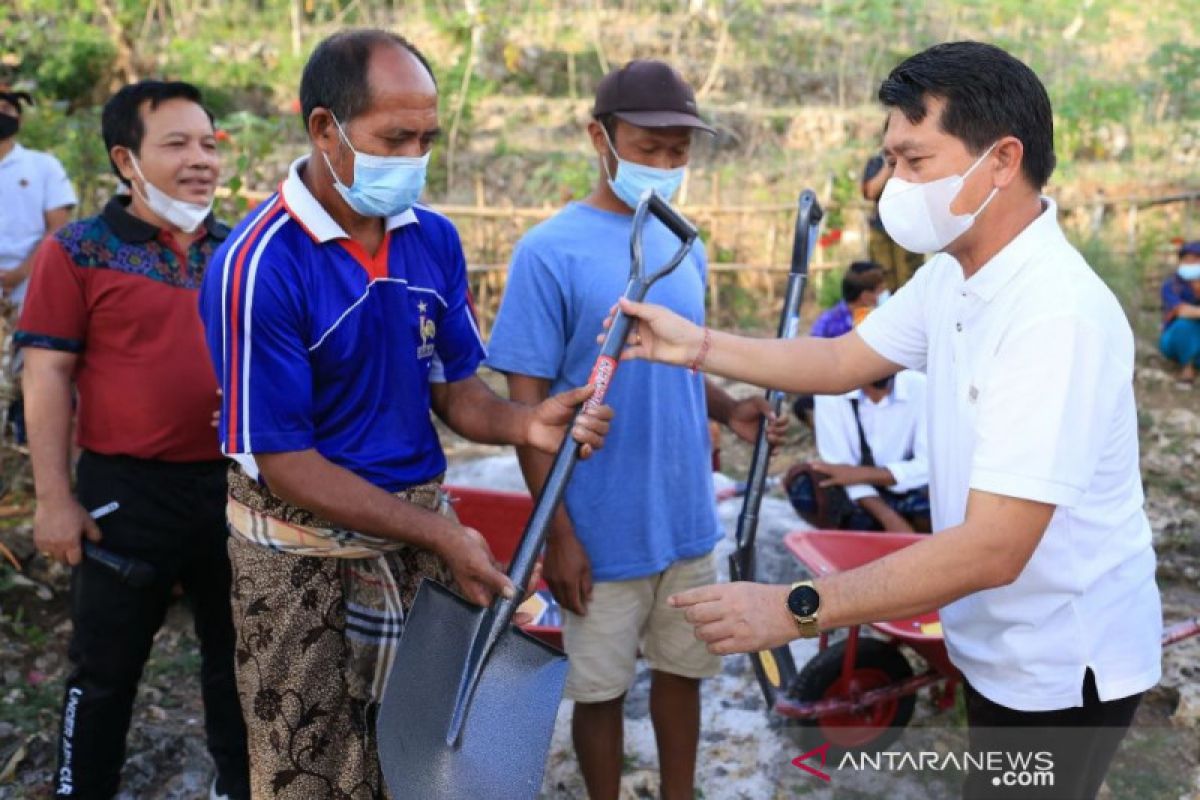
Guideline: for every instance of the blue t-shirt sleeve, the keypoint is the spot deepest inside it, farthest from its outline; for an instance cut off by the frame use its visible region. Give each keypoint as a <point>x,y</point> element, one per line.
<point>701,257</point>
<point>532,327</point>
<point>264,368</point>
<point>458,344</point>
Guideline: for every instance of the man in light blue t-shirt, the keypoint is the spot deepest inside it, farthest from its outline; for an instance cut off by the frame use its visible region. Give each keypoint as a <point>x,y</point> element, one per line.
<point>639,520</point>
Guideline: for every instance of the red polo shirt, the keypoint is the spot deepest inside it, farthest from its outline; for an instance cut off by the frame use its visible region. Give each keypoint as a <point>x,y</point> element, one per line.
<point>122,294</point>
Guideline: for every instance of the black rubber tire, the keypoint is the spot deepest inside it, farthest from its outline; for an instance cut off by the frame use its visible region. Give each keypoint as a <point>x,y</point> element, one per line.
<point>825,669</point>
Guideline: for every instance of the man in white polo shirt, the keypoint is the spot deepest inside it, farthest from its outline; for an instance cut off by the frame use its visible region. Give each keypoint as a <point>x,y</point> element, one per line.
<point>1041,561</point>
<point>37,198</point>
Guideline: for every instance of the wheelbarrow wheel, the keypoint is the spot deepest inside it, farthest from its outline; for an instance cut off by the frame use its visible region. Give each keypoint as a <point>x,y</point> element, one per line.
<point>878,664</point>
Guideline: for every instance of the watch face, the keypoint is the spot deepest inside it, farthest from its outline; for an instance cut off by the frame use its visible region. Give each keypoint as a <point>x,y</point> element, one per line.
<point>804,601</point>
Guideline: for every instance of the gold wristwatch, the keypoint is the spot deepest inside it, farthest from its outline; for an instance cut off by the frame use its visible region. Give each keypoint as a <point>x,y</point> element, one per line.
<point>804,604</point>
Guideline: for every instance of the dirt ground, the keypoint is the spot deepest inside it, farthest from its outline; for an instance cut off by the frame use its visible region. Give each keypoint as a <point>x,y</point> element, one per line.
<point>166,756</point>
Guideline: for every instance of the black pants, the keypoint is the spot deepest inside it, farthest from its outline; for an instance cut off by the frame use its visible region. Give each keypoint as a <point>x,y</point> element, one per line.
<point>1081,743</point>
<point>171,516</point>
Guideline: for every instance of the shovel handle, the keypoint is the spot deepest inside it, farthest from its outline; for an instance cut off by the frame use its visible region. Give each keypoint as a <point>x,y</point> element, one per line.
<point>530,546</point>
<point>675,222</point>
<point>640,281</point>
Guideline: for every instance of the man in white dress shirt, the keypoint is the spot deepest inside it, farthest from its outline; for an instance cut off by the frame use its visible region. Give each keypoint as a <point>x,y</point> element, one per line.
<point>1041,560</point>
<point>873,467</point>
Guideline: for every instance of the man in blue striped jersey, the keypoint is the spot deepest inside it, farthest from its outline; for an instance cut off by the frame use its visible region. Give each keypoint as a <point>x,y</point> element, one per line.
<point>337,317</point>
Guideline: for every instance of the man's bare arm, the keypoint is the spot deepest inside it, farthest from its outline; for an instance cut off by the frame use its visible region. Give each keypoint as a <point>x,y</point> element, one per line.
<point>808,364</point>
<point>59,521</point>
<point>475,412</point>
<point>990,549</point>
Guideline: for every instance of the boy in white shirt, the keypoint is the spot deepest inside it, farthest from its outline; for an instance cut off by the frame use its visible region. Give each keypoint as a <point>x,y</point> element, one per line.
<point>873,470</point>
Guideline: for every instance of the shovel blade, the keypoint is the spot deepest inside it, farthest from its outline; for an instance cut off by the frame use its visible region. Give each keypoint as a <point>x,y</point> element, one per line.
<point>506,737</point>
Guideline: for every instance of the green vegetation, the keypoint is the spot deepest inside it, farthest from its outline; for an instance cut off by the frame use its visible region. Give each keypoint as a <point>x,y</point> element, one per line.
<point>789,83</point>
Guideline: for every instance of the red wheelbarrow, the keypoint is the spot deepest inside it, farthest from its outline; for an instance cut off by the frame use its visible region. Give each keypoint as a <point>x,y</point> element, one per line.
<point>861,690</point>
<point>856,692</point>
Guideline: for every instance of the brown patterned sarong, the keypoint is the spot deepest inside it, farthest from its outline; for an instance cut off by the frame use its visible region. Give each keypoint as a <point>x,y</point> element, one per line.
<point>311,630</point>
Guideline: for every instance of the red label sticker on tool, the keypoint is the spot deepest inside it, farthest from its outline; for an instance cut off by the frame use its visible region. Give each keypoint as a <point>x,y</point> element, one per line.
<point>601,377</point>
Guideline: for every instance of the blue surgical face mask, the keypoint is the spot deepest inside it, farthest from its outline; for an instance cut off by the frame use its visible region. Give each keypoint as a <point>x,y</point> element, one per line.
<point>1189,272</point>
<point>633,180</point>
<point>384,186</point>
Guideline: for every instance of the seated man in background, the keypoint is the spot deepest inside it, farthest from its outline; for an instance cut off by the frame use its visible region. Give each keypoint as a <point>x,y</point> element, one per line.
<point>862,290</point>
<point>873,472</point>
<point>1180,340</point>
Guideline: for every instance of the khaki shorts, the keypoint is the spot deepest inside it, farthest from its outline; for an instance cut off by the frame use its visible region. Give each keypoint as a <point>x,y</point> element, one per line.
<point>602,647</point>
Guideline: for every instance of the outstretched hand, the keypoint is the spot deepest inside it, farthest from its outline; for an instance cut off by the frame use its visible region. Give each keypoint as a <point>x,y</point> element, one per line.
<point>549,420</point>
<point>739,617</point>
<point>656,334</point>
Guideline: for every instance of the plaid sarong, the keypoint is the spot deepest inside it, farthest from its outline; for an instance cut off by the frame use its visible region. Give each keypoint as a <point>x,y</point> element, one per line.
<point>319,612</point>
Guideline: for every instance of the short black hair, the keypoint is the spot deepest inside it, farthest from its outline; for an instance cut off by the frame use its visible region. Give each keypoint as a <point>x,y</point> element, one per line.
<point>863,276</point>
<point>988,94</point>
<point>335,77</point>
<point>609,123</point>
<point>121,120</point>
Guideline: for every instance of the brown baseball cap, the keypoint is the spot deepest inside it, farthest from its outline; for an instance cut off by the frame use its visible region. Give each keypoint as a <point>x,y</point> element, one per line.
<point>649,94</point>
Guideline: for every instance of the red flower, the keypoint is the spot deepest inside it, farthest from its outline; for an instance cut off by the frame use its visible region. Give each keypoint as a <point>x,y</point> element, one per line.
<point>830,237</point>
<point>295,105</point>
<point>222,135</point>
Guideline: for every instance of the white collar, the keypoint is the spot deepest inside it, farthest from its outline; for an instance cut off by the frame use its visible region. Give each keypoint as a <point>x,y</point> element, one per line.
<point>898,394</point>
<point>14,155</point>
<point>313,217</point>
<point>1004,266</point>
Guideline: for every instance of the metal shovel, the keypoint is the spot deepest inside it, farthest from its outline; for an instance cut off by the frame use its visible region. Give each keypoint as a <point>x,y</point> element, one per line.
<point>471,699</point>
<point>775,669</point>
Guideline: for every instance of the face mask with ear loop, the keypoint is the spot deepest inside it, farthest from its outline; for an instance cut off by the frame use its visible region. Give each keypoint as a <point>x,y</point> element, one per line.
<point>632,180</point>
<point>9,126</point>
<point>383,186</point>
<point>917,215</point>
<point>180,213</point>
